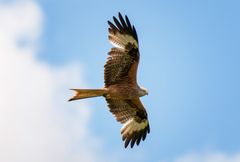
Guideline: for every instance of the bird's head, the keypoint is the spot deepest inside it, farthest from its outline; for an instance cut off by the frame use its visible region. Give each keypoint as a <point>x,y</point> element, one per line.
<point>143,91</point>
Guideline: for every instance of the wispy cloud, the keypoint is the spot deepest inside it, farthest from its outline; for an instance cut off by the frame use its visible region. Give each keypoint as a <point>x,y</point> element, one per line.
<point>36,121</point>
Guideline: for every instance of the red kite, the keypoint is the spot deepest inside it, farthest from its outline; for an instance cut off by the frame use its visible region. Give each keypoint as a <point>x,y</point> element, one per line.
<point>121,90</point>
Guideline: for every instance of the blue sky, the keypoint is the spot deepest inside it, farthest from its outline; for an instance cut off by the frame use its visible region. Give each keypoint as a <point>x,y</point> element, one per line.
<point>190,57</point>
<point>190,54</point>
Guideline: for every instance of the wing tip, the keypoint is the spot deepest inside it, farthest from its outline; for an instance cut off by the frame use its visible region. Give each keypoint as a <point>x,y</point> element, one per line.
<point>135,137</point>
<point>123,26</point>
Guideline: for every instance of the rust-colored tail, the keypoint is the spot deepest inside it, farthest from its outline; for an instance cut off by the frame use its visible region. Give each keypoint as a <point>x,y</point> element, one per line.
<point>87,93</point>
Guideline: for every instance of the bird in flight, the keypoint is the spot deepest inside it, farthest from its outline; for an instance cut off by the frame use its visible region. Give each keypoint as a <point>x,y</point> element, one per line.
<point>121,89</point>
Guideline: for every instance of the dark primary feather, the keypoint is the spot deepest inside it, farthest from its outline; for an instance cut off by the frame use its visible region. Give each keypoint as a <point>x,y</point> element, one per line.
<point>118,24</point>
<point>122,21</point>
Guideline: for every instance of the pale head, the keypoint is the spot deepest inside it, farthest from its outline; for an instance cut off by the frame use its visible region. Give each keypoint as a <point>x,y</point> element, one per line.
<point>143,91</point>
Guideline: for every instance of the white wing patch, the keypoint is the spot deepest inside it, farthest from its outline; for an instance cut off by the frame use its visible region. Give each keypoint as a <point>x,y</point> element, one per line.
<point>133,126</point>
<point>116,42</point>
<point>122,40</point>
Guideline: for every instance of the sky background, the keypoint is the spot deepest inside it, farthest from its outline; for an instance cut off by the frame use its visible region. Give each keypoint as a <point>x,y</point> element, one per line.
<point>190,63</point>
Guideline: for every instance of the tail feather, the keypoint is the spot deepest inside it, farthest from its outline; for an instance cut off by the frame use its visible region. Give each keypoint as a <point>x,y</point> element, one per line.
<point>87,93</point>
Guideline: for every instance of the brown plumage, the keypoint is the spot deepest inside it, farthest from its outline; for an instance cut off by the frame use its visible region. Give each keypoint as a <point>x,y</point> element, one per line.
<point>121,90</point>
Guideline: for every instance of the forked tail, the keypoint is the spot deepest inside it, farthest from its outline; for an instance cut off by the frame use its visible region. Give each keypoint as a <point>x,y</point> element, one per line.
<point>87,93</point>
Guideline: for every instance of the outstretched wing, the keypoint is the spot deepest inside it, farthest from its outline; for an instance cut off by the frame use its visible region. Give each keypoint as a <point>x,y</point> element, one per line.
<point>122,63</point>
<point>133,116</point>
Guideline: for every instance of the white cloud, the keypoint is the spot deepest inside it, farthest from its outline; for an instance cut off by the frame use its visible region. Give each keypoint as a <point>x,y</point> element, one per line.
<point>36,121</point>
<point>209,157</point>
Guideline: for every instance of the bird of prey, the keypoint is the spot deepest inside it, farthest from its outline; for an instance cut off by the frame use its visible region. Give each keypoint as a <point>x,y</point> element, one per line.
<point>121,89</point>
